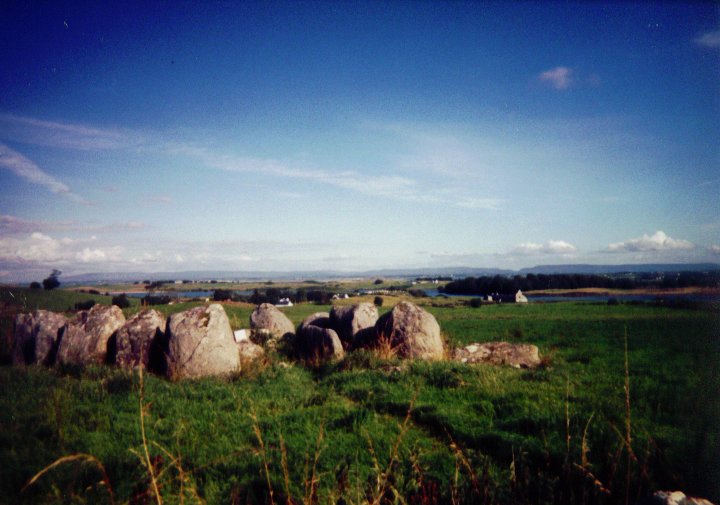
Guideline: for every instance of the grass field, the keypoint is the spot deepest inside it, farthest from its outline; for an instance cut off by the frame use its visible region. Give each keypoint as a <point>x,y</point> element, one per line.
<point>372,430</point>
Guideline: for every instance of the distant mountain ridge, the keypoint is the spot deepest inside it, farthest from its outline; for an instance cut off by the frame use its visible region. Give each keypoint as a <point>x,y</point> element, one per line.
<point>615,269</point>
<point>456,272</point>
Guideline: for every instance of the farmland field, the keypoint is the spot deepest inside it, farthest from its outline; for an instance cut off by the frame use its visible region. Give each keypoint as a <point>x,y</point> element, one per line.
<point>371,428</point>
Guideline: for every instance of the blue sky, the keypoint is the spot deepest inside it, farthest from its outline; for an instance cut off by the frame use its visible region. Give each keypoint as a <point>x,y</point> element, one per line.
<point>356,135</point>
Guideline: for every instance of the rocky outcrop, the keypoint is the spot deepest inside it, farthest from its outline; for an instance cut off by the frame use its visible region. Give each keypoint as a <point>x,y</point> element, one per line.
<point>412,332</point>
<point>499,353</point>
<point>269,325</point>
<point>139,343</point>
<point>674,498</point>
<point>353,323</point>
<point>35,337</point>
<point>85,340</point>
<point>200,343</point>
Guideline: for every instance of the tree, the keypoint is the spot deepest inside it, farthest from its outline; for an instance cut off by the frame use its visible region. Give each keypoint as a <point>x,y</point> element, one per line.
<point>35,285</point>
<point>378,301</point>
<point>221,295</point>
<point>378,281</point>
<point>121,301</point>
<point>52,282</point>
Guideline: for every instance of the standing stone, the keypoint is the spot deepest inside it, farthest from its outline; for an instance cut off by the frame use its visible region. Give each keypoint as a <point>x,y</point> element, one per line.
<point>35,337</point>
<point>321,343</point>
<point>413,332</point>
<point>85,340</point>
<point>353,322</point>
<point>201,343</point>
<point>319,319</point>
<point>269,324</point>
<point>139,342</point>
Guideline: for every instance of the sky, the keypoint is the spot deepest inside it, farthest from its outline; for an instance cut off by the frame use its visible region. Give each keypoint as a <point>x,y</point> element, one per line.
<point>349,136</point>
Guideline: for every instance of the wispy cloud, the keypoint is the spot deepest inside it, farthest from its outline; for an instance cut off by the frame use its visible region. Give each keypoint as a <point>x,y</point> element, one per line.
<point>25,168</point>
<point>657,242</point>
<point>558,77</point>
<point>67,135</point>
<point>392,185</point>
<point>13,225</point>
<point>709,39</point>
<point>549,247</point>
<point>715,249</point>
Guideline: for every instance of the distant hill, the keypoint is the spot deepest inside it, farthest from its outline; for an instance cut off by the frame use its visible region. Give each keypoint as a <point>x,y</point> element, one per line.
<point>408,273</point>
<point>613,269</point>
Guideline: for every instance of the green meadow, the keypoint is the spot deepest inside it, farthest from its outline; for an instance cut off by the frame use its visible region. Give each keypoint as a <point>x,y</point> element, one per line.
<point>627,402</point>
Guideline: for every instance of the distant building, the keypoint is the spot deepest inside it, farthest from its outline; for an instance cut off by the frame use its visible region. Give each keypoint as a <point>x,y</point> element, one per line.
<point>520,297</point>
<point>284,302</point>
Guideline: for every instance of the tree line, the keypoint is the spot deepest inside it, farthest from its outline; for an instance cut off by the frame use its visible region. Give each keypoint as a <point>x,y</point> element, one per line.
<point>530,282</point>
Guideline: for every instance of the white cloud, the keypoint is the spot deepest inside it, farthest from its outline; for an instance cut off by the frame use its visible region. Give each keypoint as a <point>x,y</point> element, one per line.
<point>39,248</point>
<point>659,241</point>
<point>715,249</point>
<point>709,39</point>
<point>549,247</point>
<point>23,167</point>
<point>558,77</point>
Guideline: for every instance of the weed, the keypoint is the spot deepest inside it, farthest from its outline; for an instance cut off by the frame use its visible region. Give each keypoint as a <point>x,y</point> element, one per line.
<point>384,348</point>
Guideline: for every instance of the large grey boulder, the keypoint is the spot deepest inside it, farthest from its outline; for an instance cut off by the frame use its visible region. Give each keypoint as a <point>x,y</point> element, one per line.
<point>35,337</point>
<point>412,332</point>
<point>201,343</point>
<point>319,319</point>
<point>499,353</point>
<point>269,325</point>
<point>85,340</point>
<point>314,342</point>
<point>353,322</point>
<point>139,342</point>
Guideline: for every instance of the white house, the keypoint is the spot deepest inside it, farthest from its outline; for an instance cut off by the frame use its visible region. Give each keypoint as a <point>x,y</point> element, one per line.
<point>284,302</point>
<point>520,297</point>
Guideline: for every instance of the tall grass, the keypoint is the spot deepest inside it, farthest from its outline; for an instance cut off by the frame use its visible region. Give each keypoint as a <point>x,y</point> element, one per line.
<point>367,430</point>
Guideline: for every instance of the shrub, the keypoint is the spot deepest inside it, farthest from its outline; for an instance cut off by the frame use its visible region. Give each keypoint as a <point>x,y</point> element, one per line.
<point>121,301</point>
<point>52,282</point>
<point>221,295</point>
<point>378,301</point>
<point>378,281</point>
<point>476,303</point>
<point>35,285</point>
<point>417,293</point>
<point>156,300</point>
<point>86,305</point>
